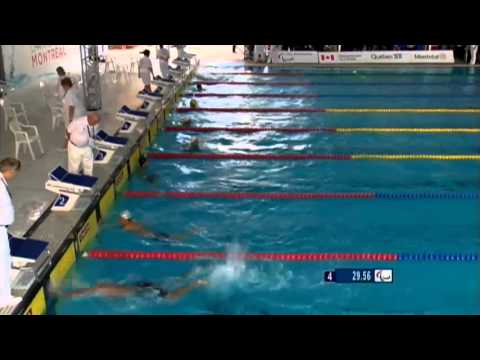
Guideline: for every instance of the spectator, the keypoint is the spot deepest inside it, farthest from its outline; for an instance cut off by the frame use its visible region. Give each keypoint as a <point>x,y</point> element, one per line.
<point>9,169</point>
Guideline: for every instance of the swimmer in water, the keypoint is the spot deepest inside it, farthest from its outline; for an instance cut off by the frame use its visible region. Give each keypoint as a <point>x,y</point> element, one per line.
<point>139,289</point>
<point>143,164</point>
<point>193,104</point>
<point>199,87</point>
<point>128,224</point>
<point>193,145</point>
<point>186,123</point>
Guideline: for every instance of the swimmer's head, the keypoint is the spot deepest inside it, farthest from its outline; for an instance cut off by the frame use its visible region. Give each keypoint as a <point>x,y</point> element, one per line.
<point>195,142</point>
<point>199,87</point>
<point>187,122</point>
<point>193,104</point>
<point>126,215</point>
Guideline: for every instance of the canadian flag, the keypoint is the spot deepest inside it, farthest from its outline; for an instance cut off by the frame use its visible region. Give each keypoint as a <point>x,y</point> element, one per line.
<point>330,57</point>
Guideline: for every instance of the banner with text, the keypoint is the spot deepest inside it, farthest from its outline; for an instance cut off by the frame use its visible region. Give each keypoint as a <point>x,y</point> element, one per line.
<point>26,63</point>
<point>387,57</point>
<point>295,57</point>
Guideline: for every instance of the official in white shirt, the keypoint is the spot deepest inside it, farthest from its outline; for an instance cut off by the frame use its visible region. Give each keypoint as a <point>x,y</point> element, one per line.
<point>472,49</point>
<point>79,136</point>
<point>73,100</point>
<point>9,168</point>
<point>61,75</point>
<point>164,55</point>
<point>145,69</point>
<point>182,55</point>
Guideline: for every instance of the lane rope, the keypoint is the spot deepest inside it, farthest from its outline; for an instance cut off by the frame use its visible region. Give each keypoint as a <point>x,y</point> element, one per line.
<point>335,74</point>
<point>308,96</point>
<point>302,157</point>
<point>330,110</point>
<point>301,196</point>
<point>293,257</point>
<point>336,130</point>
<point>325,83</point>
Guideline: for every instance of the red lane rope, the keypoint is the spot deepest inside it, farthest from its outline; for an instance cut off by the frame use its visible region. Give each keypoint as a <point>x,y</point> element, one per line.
<point>157,155</point>
<point>257,83</point>
<point>261,110</point>
<point>261,73</point>
<point>249,130</point>
<point>249,195</point>
<point>189,256</point>
<point>253,95</point>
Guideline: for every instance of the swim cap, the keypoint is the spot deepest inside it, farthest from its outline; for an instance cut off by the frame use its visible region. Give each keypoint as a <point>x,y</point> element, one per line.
<point>127,215</point>
<point>193,104</point>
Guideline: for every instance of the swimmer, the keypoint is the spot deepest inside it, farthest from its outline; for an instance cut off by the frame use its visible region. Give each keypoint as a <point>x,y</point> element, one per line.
<point>199,87</point>
<point>143,164</point>
<point>193,145</point>
<point>128,224</point>
<point>186,123</point>
<point>139,288</point>
<point>193,104</point>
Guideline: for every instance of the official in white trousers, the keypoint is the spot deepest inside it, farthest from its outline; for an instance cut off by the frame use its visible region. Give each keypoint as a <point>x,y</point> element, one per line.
<point>9,168</point>
<point>80,134</point>
<point>145,69</point>
<point>473,54</point>
<point>163,56</point>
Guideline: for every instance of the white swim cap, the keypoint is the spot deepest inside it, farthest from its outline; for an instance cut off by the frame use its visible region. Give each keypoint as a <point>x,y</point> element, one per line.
<point>127,215</point>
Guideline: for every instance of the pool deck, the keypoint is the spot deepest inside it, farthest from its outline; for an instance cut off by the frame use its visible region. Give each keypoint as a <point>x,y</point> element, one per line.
<point>68,233</point>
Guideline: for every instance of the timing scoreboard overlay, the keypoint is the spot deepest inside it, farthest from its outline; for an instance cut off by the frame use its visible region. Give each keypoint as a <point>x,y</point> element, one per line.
<point>361,276</point>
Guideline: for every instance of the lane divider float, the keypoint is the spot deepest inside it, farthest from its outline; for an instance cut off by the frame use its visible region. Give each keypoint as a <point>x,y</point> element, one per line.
<point>309,96</point>
<point>301,196</point>
<point>300,157</point>
<point>330,110</point>
<point>334,130</point>
<point>326,83</point>
<point>292,257</point>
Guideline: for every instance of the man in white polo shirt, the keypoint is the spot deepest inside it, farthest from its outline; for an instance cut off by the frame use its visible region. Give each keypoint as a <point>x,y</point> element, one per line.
<point>79,135</point>
<point>9,168</point>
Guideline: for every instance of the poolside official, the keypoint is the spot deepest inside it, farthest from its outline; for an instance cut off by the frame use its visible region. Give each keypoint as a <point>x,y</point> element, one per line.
<point>79,136</point>
<point>145,69</point>
<point>73,100</point>
<point>9,168</point>
<point>164,55</point>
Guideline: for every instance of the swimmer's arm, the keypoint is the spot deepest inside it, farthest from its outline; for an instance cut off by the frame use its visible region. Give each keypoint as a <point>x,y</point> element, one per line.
<point>79,293</point>
<point>182,237</point>
<point>181,292</point>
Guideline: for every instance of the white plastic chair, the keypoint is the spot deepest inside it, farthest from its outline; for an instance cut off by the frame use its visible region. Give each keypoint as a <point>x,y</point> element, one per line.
<point>58,114</point>
<point>24,134</point>
<point>3,108</point>
<point>20,112</point>
<point>109,64</point>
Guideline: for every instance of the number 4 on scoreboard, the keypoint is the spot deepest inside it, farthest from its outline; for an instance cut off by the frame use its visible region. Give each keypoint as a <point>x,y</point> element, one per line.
<point>330,276</point>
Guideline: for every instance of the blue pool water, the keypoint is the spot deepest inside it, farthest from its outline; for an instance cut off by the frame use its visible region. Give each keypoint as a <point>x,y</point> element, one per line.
<point>305,226</point>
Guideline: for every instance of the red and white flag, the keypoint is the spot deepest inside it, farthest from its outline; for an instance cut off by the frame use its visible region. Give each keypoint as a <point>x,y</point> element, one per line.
<point>330,57</point>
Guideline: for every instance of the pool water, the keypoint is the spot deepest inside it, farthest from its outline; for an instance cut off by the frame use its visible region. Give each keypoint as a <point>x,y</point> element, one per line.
<point>305,226</point>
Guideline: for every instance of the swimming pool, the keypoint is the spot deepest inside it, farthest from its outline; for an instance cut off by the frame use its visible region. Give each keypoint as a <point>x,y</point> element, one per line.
<point>408,225</point>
